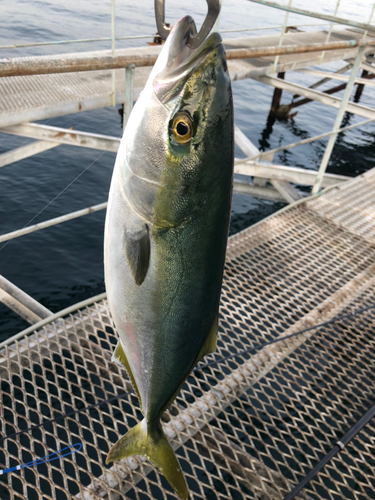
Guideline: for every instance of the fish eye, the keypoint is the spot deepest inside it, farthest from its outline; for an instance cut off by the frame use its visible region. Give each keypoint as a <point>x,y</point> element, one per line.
<point>182,128</point>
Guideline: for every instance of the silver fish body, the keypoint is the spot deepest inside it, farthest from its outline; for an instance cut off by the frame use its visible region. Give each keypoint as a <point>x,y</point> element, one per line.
<point>166,231</point>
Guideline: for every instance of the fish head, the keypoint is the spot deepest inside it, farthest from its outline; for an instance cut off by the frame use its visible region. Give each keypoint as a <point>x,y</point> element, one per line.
<point>178,144</point>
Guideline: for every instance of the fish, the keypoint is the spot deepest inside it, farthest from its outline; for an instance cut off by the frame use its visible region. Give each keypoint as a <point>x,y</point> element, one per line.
<point>166,233</point>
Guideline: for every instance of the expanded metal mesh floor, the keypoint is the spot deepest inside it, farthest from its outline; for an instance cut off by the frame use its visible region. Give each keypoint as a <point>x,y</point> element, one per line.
<point>251,426</point>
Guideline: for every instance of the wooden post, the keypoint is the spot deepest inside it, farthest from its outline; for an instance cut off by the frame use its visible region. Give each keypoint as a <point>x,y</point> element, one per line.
<point>275,103</point>
<point>360,87</point>
<point>276,96</point>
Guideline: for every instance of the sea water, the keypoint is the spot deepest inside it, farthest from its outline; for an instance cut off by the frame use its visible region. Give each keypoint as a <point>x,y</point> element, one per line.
<point>62,265</point>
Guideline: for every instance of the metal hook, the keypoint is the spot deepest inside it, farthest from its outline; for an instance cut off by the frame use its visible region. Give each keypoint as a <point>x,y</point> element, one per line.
<point>194,40</point>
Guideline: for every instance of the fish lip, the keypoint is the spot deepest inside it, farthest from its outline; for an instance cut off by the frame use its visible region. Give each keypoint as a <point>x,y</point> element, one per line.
<point>181,59</point>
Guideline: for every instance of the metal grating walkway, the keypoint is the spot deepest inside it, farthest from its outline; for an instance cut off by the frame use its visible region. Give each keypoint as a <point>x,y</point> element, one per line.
<point>249,427</point>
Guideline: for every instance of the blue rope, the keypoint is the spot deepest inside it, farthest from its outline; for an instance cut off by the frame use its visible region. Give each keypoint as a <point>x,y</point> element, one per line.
<point>73,448</point>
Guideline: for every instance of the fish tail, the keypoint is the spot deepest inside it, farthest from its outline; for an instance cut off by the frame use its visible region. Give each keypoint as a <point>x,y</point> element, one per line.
<point>148,439</point>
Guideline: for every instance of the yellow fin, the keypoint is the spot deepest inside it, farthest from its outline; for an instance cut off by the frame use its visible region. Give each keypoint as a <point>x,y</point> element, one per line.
<point>210,344</point>
<point>120,358</point>
<point>150,441</point>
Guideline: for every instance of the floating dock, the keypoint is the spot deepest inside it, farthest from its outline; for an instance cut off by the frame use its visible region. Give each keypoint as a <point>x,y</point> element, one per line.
<point>250,421</point>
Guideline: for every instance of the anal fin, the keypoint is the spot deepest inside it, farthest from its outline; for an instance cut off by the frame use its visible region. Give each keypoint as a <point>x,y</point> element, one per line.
<point>120,358</point>
<point>210,344</point>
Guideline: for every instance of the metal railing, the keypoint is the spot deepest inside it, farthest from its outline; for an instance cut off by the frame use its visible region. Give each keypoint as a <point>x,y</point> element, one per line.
<point>83,63</point>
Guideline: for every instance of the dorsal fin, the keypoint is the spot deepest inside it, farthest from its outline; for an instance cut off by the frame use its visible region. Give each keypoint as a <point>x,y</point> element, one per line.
<point>137,251</point>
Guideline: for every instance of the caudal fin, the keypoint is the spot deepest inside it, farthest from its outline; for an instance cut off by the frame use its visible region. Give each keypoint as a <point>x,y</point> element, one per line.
<point>149,441</point>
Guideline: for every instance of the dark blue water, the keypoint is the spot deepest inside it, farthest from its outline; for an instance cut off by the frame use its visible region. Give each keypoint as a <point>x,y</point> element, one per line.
<point>62,265</point>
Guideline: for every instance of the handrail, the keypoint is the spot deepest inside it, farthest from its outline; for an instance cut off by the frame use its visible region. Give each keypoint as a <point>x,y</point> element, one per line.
<point>317,15</point>
<point>77,63</point>
<point>135,37</point>
<point>52,222</point>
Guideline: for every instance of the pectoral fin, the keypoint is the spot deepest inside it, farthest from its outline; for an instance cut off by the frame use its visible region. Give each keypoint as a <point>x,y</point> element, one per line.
<point>120,358</point>
<point>210,344</point>
<point>137,251</point>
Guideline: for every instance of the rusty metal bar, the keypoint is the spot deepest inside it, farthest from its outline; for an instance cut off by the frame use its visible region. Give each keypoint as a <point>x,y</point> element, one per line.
<point>95,63</point>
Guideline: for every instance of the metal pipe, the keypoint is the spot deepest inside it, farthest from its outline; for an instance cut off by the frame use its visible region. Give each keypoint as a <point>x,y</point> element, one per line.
<point>95,63</point>
<point>304,141</point>
<point>370,19</point>
<point>58,135</point>
<point>248,148</point>
<point>113,37</point>
<point>18,308</point>
<point>25,152</point>
<point>338,120</point>
<point>281,37</point>
<point>317,15</point>
<point>364,80</point>
<point>25,299</point>
<point>54,317</point>
<point>129,94</point>
<point>135,37</point>
<point>300,176</point>
<point>325,80</point>
<point>301,102</point>
<point>340,445</point>
<point>52,222</point>
<point>322,97</point>
<point>368,67</point>
<point>329,31</point>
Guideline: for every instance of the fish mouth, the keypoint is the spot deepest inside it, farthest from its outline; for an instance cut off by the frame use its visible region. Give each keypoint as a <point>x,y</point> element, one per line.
<point>177,61</point>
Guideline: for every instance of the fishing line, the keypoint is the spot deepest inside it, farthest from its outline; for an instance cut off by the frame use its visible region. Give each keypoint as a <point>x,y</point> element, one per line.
<point>64,452</point>
<point>196,369</point>
<point>61,192</point>
<point>66,415</point>
<point>286,337</point>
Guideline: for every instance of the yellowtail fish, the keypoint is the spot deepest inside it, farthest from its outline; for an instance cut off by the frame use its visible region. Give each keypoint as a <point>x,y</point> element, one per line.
<point>166,233</point>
